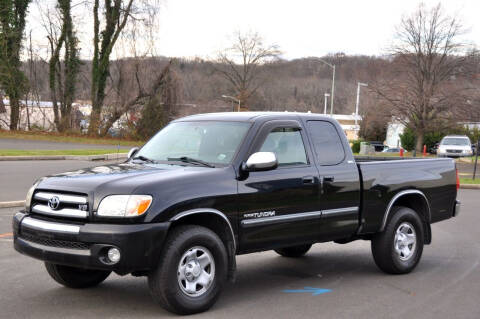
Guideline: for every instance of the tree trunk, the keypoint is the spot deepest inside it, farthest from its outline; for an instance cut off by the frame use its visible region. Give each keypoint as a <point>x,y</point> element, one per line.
<point>94,120</point>
<point>14,113</point>
<point>420,138</point>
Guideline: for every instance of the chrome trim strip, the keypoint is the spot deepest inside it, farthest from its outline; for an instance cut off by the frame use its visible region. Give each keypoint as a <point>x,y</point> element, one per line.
<point>207,210</point>
<point>397,196</point>
<point>70,199</point>
<point>340,211</point>
<point>281,218</point>
<point>404,161</point>
<point>49,226</point>
<point>65,212</point>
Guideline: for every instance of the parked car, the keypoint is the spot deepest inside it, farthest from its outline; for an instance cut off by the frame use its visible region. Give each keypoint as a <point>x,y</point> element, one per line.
<point>391,149</point>
<point>434,148</point>
<point>209,187</point>
<point>455,146</point>
<point>379,146</point>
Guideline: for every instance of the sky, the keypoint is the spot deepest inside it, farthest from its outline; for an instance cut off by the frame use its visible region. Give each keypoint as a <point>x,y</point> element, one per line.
<point>301,28</point>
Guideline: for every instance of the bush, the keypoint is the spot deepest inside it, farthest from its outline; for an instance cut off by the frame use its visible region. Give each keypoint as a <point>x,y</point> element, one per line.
<point>408,139</point>
<point>356,145</point>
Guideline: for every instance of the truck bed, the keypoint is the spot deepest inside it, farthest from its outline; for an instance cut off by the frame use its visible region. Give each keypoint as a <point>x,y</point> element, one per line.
<point>382,179</point>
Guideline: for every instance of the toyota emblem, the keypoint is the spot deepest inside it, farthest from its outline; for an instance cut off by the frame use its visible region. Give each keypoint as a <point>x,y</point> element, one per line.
<point>54,202</point>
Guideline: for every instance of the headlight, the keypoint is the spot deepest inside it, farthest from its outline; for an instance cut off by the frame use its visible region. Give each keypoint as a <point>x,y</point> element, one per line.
<point>124,205</point>
<point>28,198</point>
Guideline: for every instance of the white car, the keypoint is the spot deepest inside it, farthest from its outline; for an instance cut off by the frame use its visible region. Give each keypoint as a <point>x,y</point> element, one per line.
<point>455,146</point>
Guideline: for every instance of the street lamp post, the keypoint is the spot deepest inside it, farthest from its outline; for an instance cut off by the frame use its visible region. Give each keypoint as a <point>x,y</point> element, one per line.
<point>325,107</point>
<point>333,83</point>
<point>358,99</point>
<point>232,99</point>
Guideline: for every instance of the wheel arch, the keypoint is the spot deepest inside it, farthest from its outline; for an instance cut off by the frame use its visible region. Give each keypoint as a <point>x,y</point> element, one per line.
<point>415,200</point>
<point>217,222</point>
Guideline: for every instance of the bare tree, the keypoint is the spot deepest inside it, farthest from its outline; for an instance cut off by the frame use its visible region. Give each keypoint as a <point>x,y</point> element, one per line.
<point>117,13</point>
<point>130,78</point>
<point>240,64</point>
<point>62,74</point>
<point>428,66</point>
<point>12,79</point>
<point>2,105</point>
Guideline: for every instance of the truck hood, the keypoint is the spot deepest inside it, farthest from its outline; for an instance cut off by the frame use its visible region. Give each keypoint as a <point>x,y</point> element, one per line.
<point>122,178</point>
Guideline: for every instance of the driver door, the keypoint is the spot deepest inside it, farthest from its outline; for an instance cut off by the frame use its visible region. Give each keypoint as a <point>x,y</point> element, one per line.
<point>279,207</point>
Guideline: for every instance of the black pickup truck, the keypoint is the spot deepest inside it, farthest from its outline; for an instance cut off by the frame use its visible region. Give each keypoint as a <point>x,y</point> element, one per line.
<point>212,186</point>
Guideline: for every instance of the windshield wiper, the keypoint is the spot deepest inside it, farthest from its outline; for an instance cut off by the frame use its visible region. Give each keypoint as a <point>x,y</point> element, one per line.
<point>191,160</point>
<point>144,158</point>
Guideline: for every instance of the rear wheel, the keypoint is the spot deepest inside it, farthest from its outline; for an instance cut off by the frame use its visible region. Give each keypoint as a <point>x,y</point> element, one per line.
<point>398,249</point>
<point>73,277</point>
<point>192,270</point>
<point>294,251</point>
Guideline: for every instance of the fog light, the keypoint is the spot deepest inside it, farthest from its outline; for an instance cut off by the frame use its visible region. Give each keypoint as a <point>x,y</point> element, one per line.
<point>113,255</point>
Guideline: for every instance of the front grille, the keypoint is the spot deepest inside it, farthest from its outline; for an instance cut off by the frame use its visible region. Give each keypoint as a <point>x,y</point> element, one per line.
<point>60,204</point>
<point>54,242</point>
<point>454,151</point>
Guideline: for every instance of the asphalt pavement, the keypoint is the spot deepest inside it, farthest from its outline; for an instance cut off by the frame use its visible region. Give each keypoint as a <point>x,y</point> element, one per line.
<point>444,285</point>
<point>23,144</point>
<point>16,177</point>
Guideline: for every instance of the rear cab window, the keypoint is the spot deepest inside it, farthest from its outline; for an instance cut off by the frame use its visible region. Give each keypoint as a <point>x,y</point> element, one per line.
<point>327,143</point>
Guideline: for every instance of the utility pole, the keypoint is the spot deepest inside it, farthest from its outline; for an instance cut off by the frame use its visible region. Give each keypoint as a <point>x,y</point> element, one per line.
<point>333,91</point>
<point>333,83</point>
<point>358,99</point>
<point>326,102</point>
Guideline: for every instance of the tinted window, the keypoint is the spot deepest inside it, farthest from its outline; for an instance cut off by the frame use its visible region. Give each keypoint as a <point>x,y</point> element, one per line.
<point>213,142</point>
<point>287,144</point>
<point>327,144</point>
<point>460,141</point>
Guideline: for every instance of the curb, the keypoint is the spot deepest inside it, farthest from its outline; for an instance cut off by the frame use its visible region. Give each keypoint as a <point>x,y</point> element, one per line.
<point>17,203</point>
<point>102,157</point>
<point>470,186</point>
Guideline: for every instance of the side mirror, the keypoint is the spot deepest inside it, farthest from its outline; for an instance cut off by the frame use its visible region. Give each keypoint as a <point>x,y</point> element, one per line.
<point>260,161</point>
<point>132,152</point>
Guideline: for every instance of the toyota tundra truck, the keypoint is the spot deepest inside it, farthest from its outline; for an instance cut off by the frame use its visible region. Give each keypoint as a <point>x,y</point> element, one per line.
<point>209,187</point>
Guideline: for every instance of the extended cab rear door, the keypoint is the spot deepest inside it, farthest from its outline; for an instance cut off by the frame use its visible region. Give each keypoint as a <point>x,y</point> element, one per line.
<point>339,180</point>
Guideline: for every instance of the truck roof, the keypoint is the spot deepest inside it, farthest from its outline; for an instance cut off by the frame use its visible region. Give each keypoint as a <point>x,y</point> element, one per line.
<point>251,116</point>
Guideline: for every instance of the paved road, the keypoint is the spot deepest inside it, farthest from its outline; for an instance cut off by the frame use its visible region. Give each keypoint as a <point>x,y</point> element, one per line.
<point>20,144</point>
<point>16,177</point>
<point>444,285</point>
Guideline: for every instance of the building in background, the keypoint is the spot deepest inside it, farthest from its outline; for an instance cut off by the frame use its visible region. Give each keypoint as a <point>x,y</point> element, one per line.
<point>40,114</point>
<point>395,129</point>
<point>348,124</point>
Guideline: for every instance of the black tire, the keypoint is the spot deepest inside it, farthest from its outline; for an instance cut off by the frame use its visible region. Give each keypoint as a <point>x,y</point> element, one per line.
<point>386,256</point>
<point>73,277</point>
<point>164,283</point>
<point>293,251</point>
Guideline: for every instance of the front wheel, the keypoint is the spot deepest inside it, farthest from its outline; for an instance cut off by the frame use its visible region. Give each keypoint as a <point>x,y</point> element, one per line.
<point>398,249</point>
<point>73,277</point>
<point>191,272</point>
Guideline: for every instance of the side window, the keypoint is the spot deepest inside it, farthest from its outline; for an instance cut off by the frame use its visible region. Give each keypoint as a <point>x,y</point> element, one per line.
<point>327,144</point>
<point>287,144</point>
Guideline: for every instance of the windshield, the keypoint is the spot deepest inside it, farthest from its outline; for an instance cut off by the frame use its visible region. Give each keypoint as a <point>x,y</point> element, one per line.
<point>455,141</point>
<point>211,142</point>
